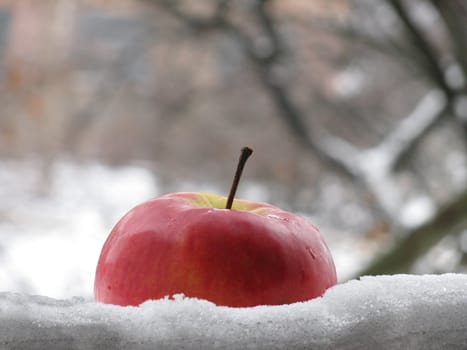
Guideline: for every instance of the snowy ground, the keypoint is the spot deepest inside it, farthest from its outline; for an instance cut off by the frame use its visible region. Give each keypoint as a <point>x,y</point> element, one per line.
<point>50,239</point>
<point>385,312</point>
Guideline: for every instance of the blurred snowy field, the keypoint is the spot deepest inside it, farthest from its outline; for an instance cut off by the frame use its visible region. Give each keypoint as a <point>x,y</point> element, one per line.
<point>385,312</point>
<point>52,228</point>
<point>50,241</point>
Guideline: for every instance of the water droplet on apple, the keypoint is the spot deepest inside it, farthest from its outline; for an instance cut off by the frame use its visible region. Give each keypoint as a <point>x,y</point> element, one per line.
<point>277,217</point>
<point>311,252</point>
<point>171,222</point>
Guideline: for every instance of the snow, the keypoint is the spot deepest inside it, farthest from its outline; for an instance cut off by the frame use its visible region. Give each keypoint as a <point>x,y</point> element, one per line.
<point>376,164</point>
<point>417,210</point>
<point>382,312</point>
<point>50,243</point>
<point>348,83</point>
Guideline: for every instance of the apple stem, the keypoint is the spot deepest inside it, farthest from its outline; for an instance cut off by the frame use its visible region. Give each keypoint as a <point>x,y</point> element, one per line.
<point>246,153</point>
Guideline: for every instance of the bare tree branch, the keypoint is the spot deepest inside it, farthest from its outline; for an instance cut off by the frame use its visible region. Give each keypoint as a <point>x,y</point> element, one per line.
<point>372,168</point>
<point>383,43</point>
<point>454,15</point>
<point>196,23</point>
<point>106,86</point>
<point>264,18</point>
<point>450,219</point>
<point>430,56</point>
<point>415,126</point>
<point>320,142</point>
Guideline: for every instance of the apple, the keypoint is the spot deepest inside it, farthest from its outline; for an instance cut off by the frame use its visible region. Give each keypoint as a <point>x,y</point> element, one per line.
<point>194,243</point>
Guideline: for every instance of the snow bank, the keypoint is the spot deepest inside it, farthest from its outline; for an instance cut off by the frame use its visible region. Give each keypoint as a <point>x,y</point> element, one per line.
<point>385,312</point>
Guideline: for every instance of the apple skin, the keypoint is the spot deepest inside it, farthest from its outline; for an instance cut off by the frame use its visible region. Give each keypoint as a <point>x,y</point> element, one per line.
<point>185,243</point>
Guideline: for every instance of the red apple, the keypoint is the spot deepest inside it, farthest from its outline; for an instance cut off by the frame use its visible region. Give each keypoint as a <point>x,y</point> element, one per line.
<point>252,254</point>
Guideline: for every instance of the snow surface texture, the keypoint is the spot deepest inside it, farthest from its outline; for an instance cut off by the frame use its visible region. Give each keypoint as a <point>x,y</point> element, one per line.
<point>384,312</point>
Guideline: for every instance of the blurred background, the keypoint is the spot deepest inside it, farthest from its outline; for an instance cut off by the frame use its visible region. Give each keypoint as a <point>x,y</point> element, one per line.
<point>356,110</point>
